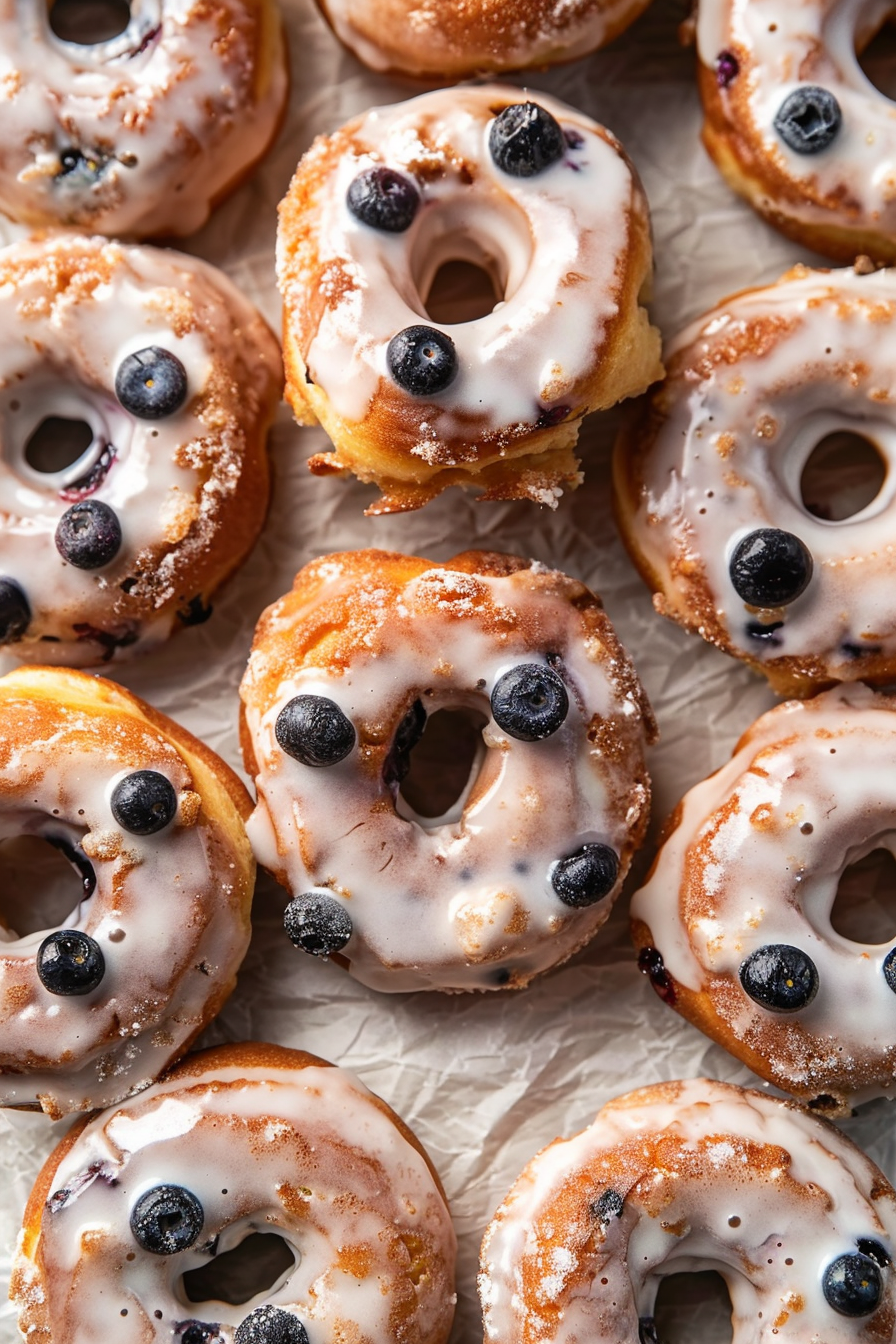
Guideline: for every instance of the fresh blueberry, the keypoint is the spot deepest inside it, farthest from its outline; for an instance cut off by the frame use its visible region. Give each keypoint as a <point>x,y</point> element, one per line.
<point>151,383</point>
<point>15,613</point>
<point>167,1219</point>
<point>889,968</point>
<point>384,199</point>
<point>770,568</point>
<point>525,140</point>
<point>780,978</point>
<point>89,534</point>
<point>422,360</point>
<point>607,1206</point>
<point>852,1285</point>
<point>809,119</point>
<point>529,702</point>
<point>144,802</point>
<point>727,68</point>
<point>200,1332</point>
<point>270,1325</point>
<point>70,963</point>
<point>586,876</point>
<point>314,730</point>
<point>317,924</point>
<point>873,1249</point>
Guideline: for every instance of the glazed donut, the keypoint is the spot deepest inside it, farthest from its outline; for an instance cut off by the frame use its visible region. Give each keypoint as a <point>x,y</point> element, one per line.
<point>518,865</point>
<point>708,479</point>
<point>451,40</point>
<point>173,378</point>
<point>689,1176</point>
<point>734,922</point>
<point>143,134</point>
<point>152,822</point>
<point>536,195</point>
<point>139,1206</point>
<point>794,124</point>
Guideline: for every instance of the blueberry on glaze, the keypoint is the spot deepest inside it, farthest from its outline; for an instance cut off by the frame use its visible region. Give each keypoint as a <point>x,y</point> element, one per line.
<point>770,568</point>
<point>317,924</point>
<point>422,360</point>
<point>780,978</point>
<point>88,535</point>
<point>313,730</point>
<point>151,383</point>
<point>200,1332</point>
<point>529,702</point>
<point>889,968</point>
<point>607,1206</point>
<point>873,1249</point>
<point>383,199</point>
<point>70,963</point>
<point>727,68</point>
<point>525,139</point>
<point>144,802</point>
<point>852,1285</point>
<point>586,876</point>
<point>15,613</point>
<point>167,1219</point>
<point>809,119</point>
<point>270,1325</point>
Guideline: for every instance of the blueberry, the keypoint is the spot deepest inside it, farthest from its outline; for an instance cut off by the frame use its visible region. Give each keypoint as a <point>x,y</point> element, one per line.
<point>780,978</point>
<point>529,702</point>
<point>727,68</point>
<point>525,140</point>
<point>151,383</point>
<point>89,535</point>
<point>422,360</point>
<point>270,1325</point>
<point>586,876</point>
<point>69,963</point>
<point>608,1205</point>
<point>852,1285</point>
<point>167,1219</point>
<point>317,924</point>
<point>314,730</point>
<point>15,613</point>
<point>144,802</point>
<point>809,119</point>
<point>770,568</point>
<point>873,1249</point>
<point>889,968</point>
<point>200,1332</point>
<point>384,199</point>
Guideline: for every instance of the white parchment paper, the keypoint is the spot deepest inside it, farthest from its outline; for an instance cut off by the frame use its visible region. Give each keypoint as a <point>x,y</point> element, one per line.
<point>484,1080</point>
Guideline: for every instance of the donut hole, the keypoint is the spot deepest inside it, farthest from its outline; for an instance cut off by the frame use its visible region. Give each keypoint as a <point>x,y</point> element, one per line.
<point>876,55</point>
<point>864,909</point>
<point>57,444</point>
<point>443,766</point>
<point>260,1263</point>
<point>87,22</point>
<point>461,291</point>
<point>466,258</point>
<point>41,885</point>
<point>844,473</point>
<point>693,1305</point>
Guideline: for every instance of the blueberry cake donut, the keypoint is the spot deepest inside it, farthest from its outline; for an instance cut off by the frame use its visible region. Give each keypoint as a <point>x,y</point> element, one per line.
<point>136,390</point>
<point>142,1216</point>
<point>152,823</point>
<point>688,1176</point>
<point>142,134</point>
<point>449,762</point>
<point>538,197</point>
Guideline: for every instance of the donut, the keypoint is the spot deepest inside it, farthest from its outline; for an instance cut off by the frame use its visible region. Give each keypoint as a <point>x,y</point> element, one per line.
<point>136,390</point>
<point>451,40</point>
<point>152,823</point>
<point>498,850</point>
<point>538,197</point>
<point>734,923</point>
<point>142,1221</point>
<point>689,1176</point>
<point>142,134</point>
<point>794,124</point>
<point>709,478</point>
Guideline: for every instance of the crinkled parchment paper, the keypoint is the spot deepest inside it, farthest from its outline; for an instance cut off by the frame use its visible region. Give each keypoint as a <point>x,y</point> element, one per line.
<point>486,1080</point>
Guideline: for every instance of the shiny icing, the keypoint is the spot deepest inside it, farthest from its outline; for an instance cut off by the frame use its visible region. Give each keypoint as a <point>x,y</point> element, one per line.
<point>712,1177</point>
<point>166,116</point>
<point>461,901</point>
<point>177,484</point>
<point>305,1154</point>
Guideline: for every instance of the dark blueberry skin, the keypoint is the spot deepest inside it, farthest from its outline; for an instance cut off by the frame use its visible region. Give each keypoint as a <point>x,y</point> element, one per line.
<point>529,702</point>
<point>607,1206</point>
<point>89,535</point>
<point>422,360</point>
<point>727,68</point>
<point>852,1285</point>
<point>15,613</point>
<point>70,963</point>
<point>383,199</point>
<point>587,876</point>
<point>780,978</point>
<point>317,924</point>
<point>873,1249</point>
<point>770,568</point>
<point>809,119</point>
<point>166,1220</point>
<point>525,140</point>
<point>889,968</point>
<point>270,1325</point>
<point>144,802</point>
<point>407,735</point>
<point>151,383</point>
<point>200,1332</point>
<point>314,730</point>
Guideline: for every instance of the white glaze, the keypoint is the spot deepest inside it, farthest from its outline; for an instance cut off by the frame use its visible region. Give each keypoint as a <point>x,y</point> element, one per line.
<point>799,1191</point>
